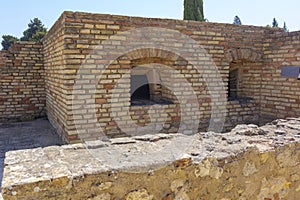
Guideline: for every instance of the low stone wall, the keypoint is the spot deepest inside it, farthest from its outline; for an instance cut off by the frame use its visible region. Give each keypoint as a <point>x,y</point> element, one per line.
<point>248,163</point>
<point>22,84</point>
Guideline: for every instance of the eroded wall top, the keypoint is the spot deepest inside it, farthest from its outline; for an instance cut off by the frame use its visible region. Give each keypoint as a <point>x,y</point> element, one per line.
<point>250,162</point>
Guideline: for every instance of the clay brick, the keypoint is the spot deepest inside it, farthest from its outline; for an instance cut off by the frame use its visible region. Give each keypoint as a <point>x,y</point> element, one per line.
<point>100,26</point>
<point>85,31</point>
<point>114,27</point>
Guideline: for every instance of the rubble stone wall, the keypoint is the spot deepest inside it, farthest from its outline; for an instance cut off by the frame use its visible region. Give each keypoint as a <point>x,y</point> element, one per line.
<point>250,162</point>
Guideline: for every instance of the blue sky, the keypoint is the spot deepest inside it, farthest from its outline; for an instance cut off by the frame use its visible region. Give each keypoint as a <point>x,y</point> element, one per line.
<point>15,14</point>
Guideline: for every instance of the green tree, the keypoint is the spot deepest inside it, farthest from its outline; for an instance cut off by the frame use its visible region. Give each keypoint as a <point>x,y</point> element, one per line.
<point>7,41</point>
<point>35,31</point>
<point>237,20</point>
<point>193,10</point>
<point>275,23</point>
<point>285,27</point>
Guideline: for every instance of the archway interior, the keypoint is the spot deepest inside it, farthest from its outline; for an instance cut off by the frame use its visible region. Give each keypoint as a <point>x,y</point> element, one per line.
<point>143,91</point>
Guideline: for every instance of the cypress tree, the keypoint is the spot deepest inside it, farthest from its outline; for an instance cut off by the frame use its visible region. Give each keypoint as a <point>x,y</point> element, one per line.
<point>275,23</point>
<point>237,21</point>
<point>193,10</point>
<point>285,27</point>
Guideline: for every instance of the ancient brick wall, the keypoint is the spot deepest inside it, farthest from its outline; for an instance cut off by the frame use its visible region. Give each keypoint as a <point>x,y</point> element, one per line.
<point>3,54</point>
<point>22,86</point>
<point>82,33</point>
<point>73,57</point>
<point>240,112</point>
<point>55,79</point>
<point>280,95</point>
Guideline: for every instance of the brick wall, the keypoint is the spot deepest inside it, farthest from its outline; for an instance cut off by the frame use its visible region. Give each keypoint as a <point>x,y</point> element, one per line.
<point>55,79</point>
<point>22,93</point>
<point>79,34</point>
<point>85,59</point>
<point>245,111</point>
<point>280,95</point>
<point>3,54</point>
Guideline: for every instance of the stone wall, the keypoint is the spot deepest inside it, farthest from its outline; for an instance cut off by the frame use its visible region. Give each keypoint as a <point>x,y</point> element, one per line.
<point>247,163</point>
<point>22,85</point>
<point>79,55</point>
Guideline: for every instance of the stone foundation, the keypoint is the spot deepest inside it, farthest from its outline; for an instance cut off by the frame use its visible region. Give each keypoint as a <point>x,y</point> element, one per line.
<point>249,162</point>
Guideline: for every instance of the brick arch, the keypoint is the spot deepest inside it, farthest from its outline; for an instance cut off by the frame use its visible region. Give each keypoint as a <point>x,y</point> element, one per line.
<point>246,54</point>
<point>139,113</point>
<point>240,80</point>
<point>153,59</point>
<point>152,53</point>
